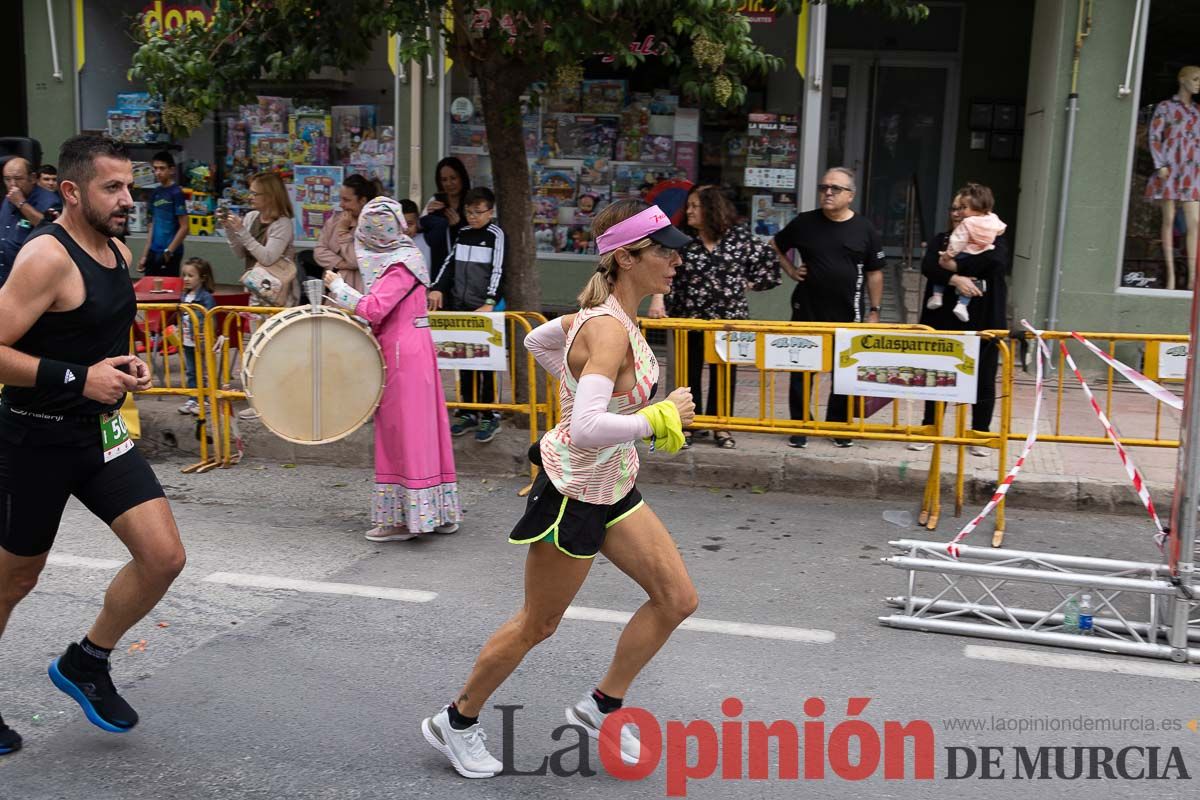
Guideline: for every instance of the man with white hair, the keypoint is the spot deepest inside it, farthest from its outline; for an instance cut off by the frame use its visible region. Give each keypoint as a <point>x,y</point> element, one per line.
<point>24,208</point>
<point>840,256</point>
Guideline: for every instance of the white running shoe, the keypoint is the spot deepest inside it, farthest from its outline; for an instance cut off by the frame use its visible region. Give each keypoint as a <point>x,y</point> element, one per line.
<point>248,413</point>
<point>450,528</point>
<point>190,407</point>
<point>389,534</point>
<point>960,311</point>
<point>934,302</point>
<point>589,715</point>
<point>920,446</point>
<point>465,749</point>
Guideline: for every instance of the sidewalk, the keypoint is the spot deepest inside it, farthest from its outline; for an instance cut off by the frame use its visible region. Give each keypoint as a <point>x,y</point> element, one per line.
<point>1058,476</point>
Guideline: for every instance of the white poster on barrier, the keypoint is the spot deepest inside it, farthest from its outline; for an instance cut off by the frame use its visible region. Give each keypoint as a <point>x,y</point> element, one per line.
<point>468,340</point>
<point>734,347</point>
<point>921,366</point>
<point>1172,360</point>
<point>793,353</point>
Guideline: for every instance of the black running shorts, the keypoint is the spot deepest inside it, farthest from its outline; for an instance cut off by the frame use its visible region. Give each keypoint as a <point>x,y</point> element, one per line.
<point>575,527</point>
<point>36,480</point>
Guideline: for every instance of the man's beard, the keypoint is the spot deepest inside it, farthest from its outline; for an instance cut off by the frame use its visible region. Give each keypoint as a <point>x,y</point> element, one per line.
<point>104,224</point>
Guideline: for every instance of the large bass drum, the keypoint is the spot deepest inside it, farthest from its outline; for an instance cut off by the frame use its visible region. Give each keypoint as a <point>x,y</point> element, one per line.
<point>313,374</point>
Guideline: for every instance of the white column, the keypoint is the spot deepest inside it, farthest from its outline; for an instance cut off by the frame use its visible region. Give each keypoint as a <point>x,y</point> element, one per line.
<point>810,111</point>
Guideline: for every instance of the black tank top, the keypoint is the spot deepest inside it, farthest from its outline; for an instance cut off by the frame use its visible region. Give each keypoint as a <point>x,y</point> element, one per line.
<point>94,331</point>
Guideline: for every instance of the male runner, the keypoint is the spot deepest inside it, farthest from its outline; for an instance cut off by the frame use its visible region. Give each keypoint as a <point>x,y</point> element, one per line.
<point>65,315</point>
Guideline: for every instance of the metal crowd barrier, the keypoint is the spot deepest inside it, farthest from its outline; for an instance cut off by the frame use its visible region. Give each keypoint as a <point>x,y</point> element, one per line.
<point>769,418</point>
<point>157,338</point>
<point>226,329</point>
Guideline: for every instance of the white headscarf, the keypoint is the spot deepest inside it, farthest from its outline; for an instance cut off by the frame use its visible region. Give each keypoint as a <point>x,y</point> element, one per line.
<point>381,240</point>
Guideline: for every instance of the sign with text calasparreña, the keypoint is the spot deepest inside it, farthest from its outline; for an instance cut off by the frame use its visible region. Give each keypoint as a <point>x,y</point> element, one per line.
<point>469,340</point>
<point>921,366</point>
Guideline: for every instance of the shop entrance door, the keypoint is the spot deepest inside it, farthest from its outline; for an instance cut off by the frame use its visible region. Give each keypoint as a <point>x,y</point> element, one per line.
<point>891,119</point>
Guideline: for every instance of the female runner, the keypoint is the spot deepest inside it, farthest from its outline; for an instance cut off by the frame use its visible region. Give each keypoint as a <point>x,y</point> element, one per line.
<point>584,501</point>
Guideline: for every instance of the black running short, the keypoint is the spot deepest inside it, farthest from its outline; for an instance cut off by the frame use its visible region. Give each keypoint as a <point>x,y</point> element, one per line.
<point>36,480</point>
<point>575,527</point>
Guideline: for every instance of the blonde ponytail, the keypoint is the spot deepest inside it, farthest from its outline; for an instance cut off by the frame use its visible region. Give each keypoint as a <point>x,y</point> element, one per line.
<point>598,287</point>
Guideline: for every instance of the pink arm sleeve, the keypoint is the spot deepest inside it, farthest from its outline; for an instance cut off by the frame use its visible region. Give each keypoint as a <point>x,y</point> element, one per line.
<point>548,343</point>
<point>591,423</point>
<point>386,293</point>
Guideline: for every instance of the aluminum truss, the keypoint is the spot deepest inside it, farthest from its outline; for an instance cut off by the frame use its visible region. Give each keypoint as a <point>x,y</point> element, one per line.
<point>988,592</point>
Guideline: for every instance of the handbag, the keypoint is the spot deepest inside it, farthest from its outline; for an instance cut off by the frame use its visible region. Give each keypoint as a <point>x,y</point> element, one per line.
<point>270,284</point>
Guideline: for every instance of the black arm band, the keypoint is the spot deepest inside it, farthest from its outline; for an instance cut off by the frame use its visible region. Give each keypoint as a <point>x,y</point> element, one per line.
<point>61,376</point>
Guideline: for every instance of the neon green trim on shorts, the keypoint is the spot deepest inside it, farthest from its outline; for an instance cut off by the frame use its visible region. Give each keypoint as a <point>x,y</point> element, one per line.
<point>626,514</point>
<point>553,529</point>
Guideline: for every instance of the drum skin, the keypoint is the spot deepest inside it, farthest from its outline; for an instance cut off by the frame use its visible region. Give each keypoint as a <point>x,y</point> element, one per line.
<point>286,378</point>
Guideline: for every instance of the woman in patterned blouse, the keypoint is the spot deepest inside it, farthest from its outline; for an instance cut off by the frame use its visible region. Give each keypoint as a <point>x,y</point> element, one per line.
<point>723,262</point>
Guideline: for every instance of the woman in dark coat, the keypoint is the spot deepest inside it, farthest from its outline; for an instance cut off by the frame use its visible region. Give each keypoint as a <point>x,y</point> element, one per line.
<point>982,277</point>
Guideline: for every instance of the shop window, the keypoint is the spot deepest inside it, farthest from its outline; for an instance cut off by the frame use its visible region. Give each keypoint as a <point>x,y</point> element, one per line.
<point>1163,221</point>
<point>617,133</point>
<point>315,133</point>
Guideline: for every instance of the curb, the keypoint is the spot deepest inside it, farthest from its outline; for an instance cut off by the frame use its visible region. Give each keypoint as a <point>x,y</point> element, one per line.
<point>759,464</point>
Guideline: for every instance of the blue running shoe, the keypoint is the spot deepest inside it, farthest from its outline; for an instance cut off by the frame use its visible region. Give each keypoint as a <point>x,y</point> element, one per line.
<point>94,691</point>
<point>488,428</point>
<point>10,740</point>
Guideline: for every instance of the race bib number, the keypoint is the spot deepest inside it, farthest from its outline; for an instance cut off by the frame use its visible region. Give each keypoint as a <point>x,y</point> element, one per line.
<point>114,436</point>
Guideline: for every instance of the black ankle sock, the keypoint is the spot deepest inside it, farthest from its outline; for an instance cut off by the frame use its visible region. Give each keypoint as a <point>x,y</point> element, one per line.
<point>459,721</point>
<point>606,704</point>
<point>92,655</point>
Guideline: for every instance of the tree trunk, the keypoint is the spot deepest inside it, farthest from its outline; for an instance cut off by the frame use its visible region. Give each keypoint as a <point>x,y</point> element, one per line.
<point>500,88</point>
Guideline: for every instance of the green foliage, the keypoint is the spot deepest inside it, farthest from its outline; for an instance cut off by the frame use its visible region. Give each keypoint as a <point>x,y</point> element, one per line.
<point>201,69</point>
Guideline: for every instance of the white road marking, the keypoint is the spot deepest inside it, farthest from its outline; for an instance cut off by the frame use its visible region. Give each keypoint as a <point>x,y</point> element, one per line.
<point>753,630</point>
<point>64,560</point>
<point>712,626</point>
<point>319,587</point>
<point>1149,669</point>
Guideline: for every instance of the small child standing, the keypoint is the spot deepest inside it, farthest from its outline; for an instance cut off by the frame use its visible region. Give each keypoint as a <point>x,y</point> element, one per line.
<point>470,278</point>
<point>198,286</point>
<point>976,233</point>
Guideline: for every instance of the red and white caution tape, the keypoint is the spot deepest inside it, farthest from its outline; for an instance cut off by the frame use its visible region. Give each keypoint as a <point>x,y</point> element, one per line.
<point>1155,390</point>
<point>1042,352</point>
<point>1135,475</point>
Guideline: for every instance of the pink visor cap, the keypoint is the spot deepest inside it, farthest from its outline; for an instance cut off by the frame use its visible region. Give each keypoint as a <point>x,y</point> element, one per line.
<point>651,223</point>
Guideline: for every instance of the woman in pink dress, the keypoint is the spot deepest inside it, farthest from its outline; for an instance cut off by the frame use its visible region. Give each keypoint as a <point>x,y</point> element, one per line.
<point>416,490</point>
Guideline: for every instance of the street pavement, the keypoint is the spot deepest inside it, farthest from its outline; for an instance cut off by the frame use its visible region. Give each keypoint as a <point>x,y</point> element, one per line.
<point>297,693</point>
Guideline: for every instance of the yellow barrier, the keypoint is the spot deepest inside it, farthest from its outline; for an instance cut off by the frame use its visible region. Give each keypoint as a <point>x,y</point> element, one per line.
<point>161,343</point>
<point>226,327</point>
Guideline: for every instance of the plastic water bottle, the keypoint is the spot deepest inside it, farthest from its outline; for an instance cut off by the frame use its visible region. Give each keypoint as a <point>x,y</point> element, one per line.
<point>1070,621</point>
<point>1086,626</point>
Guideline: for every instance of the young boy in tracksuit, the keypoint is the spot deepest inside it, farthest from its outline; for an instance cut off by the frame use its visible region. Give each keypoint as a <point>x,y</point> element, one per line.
<point>470,280</point>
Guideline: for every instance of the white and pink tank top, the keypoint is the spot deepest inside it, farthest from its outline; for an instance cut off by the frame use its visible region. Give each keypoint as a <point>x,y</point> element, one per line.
<point>600,475</point>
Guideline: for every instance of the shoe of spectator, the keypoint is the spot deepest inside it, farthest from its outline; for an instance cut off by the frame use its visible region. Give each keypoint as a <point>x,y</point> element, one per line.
<point>450,528</point>
<point>919,446</point>
<point>982,452</point>
<point>190,407</point>
<point>961,312</point>
<point>798,441</point>
<point>487,430</point>
<point>463,423</point>
<point>248,413</point>
<point>843,443</point>
<point>934,302</point>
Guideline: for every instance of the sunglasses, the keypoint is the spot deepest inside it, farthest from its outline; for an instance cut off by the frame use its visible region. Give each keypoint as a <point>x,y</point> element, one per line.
<point>832,188</point>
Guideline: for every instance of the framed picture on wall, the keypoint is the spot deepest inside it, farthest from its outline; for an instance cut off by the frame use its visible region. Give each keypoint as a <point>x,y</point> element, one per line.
<point>981,116</point>
<point>1005,117</point>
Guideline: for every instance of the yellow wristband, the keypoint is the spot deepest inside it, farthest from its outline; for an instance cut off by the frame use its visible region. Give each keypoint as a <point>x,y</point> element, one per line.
<point>665,425</point>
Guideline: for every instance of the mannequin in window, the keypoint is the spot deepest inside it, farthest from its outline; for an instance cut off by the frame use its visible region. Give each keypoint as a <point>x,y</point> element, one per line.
<point>1175,146</point>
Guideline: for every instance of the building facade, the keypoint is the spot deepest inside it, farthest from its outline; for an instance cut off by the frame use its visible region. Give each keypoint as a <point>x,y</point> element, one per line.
<point>979,92</point>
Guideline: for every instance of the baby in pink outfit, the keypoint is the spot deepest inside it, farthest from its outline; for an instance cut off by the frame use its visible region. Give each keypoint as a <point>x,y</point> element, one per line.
<point>976,233</point>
